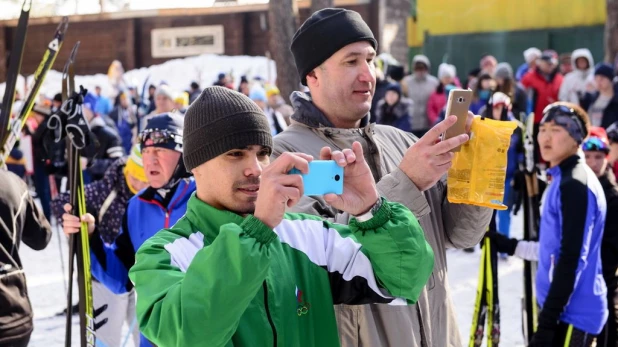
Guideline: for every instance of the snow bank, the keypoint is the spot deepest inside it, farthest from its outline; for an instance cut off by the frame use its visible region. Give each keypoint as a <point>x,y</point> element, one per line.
<point>177,73</point>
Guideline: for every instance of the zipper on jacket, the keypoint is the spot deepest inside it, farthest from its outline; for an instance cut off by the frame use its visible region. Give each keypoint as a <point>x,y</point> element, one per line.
<point>270,319</point>
<point>170,208</point>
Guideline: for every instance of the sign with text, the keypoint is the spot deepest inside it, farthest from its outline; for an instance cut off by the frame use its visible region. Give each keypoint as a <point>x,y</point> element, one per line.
<point>187,41</point>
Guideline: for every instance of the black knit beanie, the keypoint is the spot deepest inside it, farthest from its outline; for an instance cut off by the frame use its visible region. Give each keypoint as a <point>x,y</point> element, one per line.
<point>323,34</point>
<point>221,120</point>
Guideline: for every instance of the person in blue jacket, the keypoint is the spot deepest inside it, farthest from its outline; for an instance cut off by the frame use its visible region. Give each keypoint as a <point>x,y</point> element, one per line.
<point>157,207</point>
<point>570,288</point>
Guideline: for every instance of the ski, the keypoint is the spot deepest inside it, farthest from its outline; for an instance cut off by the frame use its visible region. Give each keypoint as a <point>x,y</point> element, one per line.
<point>531,224</point>
<point>487,305</point>
<point>481,307</point>
<point>16,125</point>
<point>69,124</point>
<point>493,301</point>
<point>14,68</point>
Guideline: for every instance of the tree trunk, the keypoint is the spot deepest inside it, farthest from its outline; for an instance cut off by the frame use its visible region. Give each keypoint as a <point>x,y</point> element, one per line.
<point>611,31</point>
<point>283,19</point>
<point>317,5</point>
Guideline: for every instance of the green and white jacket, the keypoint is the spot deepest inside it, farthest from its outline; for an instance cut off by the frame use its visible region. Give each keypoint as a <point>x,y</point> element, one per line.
<point>219,279</point>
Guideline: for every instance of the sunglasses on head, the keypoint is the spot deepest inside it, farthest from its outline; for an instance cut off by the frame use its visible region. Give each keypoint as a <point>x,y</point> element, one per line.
<point>595,144</point>
<point>552,111</point>
<point>156,136</point>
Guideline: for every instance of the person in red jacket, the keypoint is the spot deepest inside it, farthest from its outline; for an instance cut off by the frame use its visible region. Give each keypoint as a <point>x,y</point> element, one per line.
<point>544,82</point>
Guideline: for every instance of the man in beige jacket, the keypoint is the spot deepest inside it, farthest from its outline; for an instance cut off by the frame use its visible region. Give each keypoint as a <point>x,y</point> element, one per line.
<point>334,51</point>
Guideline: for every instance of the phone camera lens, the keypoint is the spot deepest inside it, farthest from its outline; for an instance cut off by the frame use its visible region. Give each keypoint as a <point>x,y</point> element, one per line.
<point>461,99</point>
<point>337,178</point>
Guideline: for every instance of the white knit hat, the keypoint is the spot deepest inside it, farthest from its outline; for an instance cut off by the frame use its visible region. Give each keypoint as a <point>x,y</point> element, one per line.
<point>531,54</point>
<point>446,70</point>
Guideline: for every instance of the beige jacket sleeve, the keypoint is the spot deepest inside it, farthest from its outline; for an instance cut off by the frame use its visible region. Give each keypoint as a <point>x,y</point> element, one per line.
<point>463,225</point>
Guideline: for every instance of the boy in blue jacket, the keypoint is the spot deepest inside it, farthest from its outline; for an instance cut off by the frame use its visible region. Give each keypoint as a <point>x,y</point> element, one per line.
<point>570,287</point>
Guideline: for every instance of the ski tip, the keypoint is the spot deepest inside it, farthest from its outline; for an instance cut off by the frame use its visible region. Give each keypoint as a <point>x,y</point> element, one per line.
<point>62,27</point>
<point>26,6</point>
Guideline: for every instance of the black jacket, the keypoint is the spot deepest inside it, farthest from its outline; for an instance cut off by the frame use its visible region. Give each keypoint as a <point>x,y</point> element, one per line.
<point>20,220</point>
<point>610,114</point>
<point>609,246</point>
<point>105,148</point>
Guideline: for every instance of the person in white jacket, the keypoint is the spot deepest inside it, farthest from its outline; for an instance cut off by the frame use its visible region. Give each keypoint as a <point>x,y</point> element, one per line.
<point>574,84</point>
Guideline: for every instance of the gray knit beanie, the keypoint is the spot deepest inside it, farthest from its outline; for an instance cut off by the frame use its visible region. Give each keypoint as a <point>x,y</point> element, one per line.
<point>221,120</point>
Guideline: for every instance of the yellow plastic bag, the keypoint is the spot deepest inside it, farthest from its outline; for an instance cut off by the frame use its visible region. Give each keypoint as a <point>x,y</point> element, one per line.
<point>478,172</point>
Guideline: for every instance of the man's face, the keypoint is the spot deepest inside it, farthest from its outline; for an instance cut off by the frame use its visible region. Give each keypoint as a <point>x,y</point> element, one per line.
<point>159,164</point>
<point>231,181</point>
<point>97,90</point>
<point>164,104</point>
<point>420,70</point>
<point>597,161</point>
<point>273,100</point>
<point>582,63</point>
<point>555,143</point>
<point>545,66</point>
<point>343,86</point>
<point>151,91</point>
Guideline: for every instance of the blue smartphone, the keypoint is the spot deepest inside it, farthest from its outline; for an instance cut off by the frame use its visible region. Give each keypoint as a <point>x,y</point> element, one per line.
<point>324,177</point>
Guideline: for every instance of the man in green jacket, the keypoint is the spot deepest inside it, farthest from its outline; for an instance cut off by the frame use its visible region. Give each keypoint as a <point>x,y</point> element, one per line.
<point>237,270</point>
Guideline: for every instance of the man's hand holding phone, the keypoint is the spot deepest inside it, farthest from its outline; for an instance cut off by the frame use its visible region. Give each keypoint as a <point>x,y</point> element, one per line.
<point>359,187</point>
<point>280,190</point>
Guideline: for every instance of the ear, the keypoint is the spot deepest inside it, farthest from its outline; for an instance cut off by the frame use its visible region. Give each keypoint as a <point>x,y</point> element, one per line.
<point>312,79</point>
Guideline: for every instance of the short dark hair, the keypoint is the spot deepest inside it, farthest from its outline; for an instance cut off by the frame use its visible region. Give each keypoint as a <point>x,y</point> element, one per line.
<point>194,85</point>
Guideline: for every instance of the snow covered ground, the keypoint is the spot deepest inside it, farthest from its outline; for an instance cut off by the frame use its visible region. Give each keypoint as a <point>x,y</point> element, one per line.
<point>47,292</point>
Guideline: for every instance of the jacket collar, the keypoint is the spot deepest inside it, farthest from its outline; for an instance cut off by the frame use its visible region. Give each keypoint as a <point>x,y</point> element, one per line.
<point>208,219</point>
<point>566,165</point>
<point>305,112</point>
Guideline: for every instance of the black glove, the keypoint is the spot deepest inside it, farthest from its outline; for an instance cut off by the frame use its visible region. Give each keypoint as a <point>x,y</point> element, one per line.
<point>542,338</point>
<point>502,243</point>
<point>76,126</point>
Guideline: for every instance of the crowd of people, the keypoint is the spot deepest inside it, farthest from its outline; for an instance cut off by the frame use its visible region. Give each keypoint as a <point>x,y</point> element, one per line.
<point>199,234</point>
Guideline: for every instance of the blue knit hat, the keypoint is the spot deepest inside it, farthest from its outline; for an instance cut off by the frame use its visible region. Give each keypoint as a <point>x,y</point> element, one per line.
<point>606,70</point>
<point>258,94</point>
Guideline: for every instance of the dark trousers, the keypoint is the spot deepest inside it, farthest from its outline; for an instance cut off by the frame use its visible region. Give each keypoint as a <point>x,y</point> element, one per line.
<point>21,342</point>
<point>608,337</point>
<point>41,185</point>
<point>567,335</point>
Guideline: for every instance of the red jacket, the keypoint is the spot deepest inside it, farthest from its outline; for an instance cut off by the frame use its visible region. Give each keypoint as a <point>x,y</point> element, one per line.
<point>435,104</point>
<point>545,92</point>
